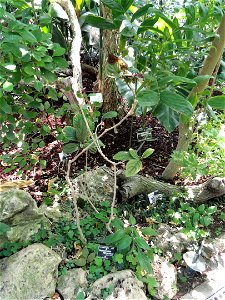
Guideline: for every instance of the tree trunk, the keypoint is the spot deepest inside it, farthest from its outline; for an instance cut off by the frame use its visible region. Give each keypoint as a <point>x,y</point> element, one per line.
<point>136,185</point>
<point>185,127</point>
<point>107,84</point>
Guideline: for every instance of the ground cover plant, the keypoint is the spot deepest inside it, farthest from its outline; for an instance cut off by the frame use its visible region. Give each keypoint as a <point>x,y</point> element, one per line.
<point>153,105</point>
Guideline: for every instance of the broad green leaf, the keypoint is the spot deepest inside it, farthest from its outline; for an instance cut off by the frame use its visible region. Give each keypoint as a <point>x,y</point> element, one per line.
<point>124,243</point>
<point>178,79</point>
<point>29,69</point>
<point>70,133</point>
<point>114,5</point>
<point>48,75</point>
<point>217,102</point>
<point>59,51</point>
<point>80,262</point>
<point>205,221</point>
<point>126,4</point>
<point>167,116</point>
<point>140,12</point>
<point>7,86</point>
<point>122,155</point>
<point>100,22</point>
<point>128,31</point>
<point>144,261</point>
<point>132,220</point>
<point>202,78</point>
<point>147,98</point>
<point>149,231</point>
<point>60,62</point>
<point>110,114</point>
<point>133,167</point>
<point>158,13</point>
<point>141,243</point>
<point>149,23</point>
<point>134,153</point>
<point>147,153</point>
<point>115,237</point>
<point>176,102</point>
<point>80,128</point>
<point>38,85</point>
<point>70,148</point>
<point>27,36</point>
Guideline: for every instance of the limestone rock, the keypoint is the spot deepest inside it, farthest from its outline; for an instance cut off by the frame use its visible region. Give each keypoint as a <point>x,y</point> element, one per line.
<point>70,284</point>
<point>96,185</point>
<point>166,278</point>
<point>29,274</point>
<point>124,285</point>
<point>170,239</point>
<point>19,210</point>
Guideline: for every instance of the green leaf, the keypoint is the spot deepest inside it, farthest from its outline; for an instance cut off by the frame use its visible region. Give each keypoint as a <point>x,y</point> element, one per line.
<point>167,116</point>
<point>132,220</point>
<point>115,237</point>
<point>124,243</point>
<point>80,128</point>
<point>27,36</point>
<point>176,102</point>
<point>147,98</point>
<point>48,75</point>
<point>144,261</point>
<point>38,85</point>
<point>141,11</point>
<point>122,155</point>
<point>80,262</point>
<point>110,114</point>
<point>217,102</point>
<point>149,231</point>
<point>118,257</point>
<point>59,51</point>
<point>70,133</point>
<point>70,148</point>
<point>7,86</point>
<point>126,4</point>
<point>4,106</point>
<point>134,153</point>
<point>100,22</point>
<point>147,153</point>
<point>202,78</point>
<point>141,243</point>
<point>205,221</point>
<point>133,167</point>
<point>29,69</point>
<point>114,5</point>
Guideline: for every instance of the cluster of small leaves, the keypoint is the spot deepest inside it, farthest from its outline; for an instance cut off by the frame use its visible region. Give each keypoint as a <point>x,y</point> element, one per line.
<point>193,219</point>
<point>207,155</point>
<point>132,249</point>
<point>28,63</point>
<point>134,164</point>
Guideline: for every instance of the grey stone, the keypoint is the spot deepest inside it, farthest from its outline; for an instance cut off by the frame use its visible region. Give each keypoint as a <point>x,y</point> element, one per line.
<point>166,278</point>
<point>170,239</point>
<point>124,285</point>
<point>29,274</point>
<point>70,284</point>
<point>19,210</point>
<point>95,185</point>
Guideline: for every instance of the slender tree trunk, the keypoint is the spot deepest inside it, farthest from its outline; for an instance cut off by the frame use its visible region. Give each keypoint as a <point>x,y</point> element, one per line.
<point>108,85</point>
<point>186,127</point>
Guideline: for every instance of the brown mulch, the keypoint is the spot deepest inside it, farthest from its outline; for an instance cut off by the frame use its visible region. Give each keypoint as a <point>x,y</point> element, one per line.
<point>163,145</point>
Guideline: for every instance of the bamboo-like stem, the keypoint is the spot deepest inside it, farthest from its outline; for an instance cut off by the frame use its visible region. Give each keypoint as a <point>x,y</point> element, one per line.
<point>186,127</point>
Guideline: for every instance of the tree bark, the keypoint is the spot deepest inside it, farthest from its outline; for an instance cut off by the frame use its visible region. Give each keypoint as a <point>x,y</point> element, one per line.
<point>107,84</point>
<point>136,185</point>
<point>185,127</point>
